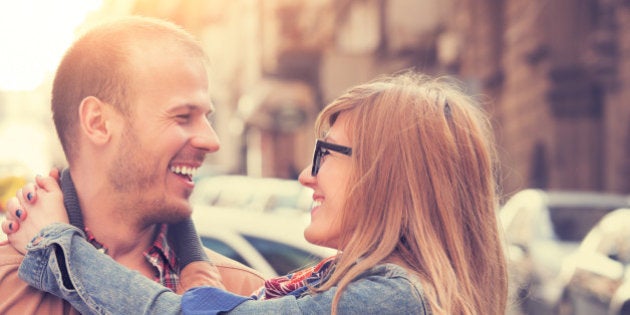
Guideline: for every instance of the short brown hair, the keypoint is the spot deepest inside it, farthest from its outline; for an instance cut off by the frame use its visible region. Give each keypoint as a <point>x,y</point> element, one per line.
<point>98,64</point>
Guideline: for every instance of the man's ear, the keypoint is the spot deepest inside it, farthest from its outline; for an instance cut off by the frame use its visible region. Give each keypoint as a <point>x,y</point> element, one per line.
<point>95,116</point>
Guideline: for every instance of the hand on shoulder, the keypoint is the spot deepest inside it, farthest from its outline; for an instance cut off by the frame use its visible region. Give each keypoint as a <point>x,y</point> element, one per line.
<point>35,206</point>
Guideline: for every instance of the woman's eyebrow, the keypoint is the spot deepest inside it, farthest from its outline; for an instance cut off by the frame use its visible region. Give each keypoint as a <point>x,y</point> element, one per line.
<point>330,139</point>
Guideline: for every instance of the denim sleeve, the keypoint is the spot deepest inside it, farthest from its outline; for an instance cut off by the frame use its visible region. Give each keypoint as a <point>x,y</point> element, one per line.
<point>61,262</point>
<point>371,294</point>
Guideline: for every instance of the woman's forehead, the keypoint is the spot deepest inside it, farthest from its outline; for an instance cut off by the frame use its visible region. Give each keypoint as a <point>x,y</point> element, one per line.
<point>338,132</point>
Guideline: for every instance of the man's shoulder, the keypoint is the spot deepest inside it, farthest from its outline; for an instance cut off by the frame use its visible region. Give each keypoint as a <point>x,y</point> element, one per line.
<point>20,298</point>
<point>9,256</point>
<point>225,262</point>
<point>237,278</point>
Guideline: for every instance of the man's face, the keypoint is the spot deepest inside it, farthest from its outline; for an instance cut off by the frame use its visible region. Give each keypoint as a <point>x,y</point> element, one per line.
<point>165,139</point>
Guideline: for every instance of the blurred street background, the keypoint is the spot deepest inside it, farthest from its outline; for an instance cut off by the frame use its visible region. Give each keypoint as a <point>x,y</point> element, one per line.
<point>554,75</point>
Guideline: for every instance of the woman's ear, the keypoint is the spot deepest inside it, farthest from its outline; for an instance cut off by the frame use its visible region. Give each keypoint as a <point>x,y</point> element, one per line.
<point>94,116</point>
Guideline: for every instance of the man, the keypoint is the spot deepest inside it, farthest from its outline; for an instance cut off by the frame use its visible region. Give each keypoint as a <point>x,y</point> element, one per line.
<point>130,102</point>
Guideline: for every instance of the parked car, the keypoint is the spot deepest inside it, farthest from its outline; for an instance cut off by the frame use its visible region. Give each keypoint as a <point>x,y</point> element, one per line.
<point>542,229</point>
<point>253,193</point>
<point>596,274</point>
<point>620,301</point>
<point>270,242</point>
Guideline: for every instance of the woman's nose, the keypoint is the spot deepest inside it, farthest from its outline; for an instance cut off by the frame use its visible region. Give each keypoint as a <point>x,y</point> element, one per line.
<point>305,178</point>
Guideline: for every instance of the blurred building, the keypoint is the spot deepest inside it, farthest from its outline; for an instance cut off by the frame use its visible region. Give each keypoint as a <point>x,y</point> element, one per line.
<point>554,75</point>
<point>558,74</point>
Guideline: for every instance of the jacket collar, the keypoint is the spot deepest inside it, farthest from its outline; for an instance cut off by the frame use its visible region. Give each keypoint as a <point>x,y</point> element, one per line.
<point>71,200</point>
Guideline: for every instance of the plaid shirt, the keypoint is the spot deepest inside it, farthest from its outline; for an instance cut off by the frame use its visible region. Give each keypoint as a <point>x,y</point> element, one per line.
<point>159,255</point>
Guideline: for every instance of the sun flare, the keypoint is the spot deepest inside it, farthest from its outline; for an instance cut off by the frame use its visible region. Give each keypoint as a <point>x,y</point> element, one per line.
<point>33,36</point>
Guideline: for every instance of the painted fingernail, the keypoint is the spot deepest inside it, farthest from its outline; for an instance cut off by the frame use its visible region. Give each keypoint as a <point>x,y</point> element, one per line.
<point>18,213</point>
<point>29,196</point>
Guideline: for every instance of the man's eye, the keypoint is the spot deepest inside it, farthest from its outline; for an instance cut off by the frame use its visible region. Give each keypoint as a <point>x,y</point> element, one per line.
<point>183,117</point>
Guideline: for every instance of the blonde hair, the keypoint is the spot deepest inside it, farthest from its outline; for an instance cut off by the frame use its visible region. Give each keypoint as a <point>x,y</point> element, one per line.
<point>422,190</point>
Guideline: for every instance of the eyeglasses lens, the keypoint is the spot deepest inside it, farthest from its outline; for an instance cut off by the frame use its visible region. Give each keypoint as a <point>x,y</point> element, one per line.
<point>317,156</point>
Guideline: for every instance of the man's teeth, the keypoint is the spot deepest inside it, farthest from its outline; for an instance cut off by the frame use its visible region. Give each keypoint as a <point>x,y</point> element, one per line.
<point>317,203</point>
<point>184,170</point>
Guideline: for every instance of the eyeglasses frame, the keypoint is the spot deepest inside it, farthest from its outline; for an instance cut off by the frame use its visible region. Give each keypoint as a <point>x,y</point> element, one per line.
<point>318,153</point>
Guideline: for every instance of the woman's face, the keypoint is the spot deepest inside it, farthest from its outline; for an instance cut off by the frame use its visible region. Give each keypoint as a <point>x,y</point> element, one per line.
<point>329,187</point>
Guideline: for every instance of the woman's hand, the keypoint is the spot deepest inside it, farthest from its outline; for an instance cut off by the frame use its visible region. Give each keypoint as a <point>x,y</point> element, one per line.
<point>41,203</point>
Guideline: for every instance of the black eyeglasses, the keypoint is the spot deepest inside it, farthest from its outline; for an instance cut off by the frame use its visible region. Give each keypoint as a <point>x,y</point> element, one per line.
<point>321,149</point>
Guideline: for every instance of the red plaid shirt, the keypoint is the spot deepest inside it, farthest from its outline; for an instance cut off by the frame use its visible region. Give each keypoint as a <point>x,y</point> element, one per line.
<point>159,255</point>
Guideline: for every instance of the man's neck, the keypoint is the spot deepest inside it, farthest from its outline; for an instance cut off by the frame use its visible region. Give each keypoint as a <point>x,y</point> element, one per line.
<point>106,216</point>
<point>121,238</point>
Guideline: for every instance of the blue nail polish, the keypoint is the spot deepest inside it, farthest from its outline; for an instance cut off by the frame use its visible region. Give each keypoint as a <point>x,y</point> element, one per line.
<point>18,213</point>
<point>29,196</point>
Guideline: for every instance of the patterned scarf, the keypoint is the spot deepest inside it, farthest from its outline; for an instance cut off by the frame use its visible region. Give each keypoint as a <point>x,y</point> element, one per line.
<point>296,283</point>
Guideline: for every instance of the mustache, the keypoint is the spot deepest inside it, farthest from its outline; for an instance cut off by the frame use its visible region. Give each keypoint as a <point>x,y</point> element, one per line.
<point>197,156</point>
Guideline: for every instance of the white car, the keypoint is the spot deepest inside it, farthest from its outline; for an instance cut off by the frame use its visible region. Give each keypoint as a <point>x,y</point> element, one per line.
<point>253,193</point>
<point>542,229</point>
<point>597,274</point>
<point>270,242</point>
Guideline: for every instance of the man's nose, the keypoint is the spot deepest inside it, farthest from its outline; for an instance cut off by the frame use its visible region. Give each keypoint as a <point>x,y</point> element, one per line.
<point>206,138</point>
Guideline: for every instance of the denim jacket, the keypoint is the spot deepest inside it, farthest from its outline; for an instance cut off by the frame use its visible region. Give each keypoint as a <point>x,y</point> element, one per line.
<point>62,262</point>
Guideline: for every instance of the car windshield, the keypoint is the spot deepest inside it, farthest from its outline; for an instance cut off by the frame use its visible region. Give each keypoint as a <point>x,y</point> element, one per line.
<point>223,249</point>
<point>573,223</point>
<point>283,258</point>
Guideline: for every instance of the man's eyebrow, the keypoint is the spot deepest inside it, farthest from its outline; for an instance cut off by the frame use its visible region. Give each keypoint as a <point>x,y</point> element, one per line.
<point>192,107</point>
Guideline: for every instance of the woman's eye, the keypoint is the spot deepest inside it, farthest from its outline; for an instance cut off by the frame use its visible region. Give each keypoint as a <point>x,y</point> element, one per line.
<point>325,152</point>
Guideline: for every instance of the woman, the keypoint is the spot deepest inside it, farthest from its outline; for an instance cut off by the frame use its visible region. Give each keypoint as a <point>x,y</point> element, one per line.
<point>403,187</point>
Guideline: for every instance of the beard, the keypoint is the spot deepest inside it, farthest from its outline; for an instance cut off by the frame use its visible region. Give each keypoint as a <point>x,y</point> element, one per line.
<point>132,170</point>
<point>134,177</point>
